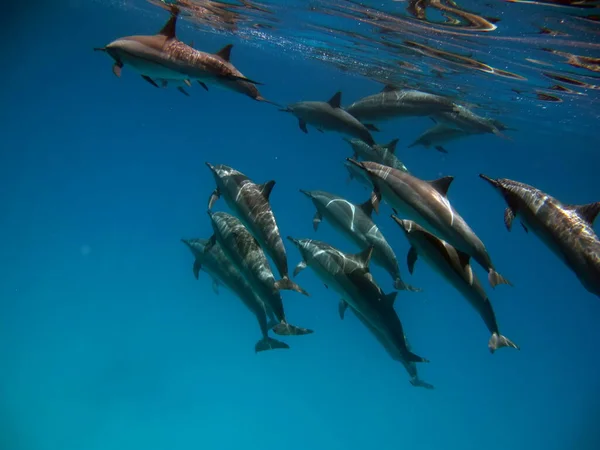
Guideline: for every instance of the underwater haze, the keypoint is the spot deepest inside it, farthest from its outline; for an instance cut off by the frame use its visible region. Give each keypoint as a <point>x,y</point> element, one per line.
<point>108,341</point>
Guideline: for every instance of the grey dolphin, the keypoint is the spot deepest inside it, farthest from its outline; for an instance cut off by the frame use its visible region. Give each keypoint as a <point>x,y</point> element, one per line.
<point>164,57</point>
<point>250,203</point>
<point>566,229</point>
<point>349,276</point>
<point>223,272</point>
<point>438,135</point>
<point>426,203</point>
<point>392,102</point>
<point>244,252</point>
<point>356,224</point>
<point>454,266</point>
<point>465,119</point>
<point>383,154</point>
<point>330,116</point>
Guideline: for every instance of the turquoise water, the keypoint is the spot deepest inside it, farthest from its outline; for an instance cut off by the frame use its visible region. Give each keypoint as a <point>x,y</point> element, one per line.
<point>108,342</point>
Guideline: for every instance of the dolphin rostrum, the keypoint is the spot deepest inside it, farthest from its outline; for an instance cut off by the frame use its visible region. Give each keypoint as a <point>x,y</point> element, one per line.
<point>356,224</point>
<point>455,267</point>
<point>330,116</point>
<point>250,203</point>
<point>566,229</point>
<point>349,276</point>
<point>438,135</point>
<point>382,154</point>
<point>215,263</point>
<point>426,203</point>
<point>164,57</point>
<point>393,102</point>
<point>244,252</point>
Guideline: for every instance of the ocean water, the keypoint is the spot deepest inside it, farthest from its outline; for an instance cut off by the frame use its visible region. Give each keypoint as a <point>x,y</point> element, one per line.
<point>108,342</point>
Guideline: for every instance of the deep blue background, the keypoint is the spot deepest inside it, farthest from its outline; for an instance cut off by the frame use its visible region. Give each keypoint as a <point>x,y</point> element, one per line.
<point>108,342</point>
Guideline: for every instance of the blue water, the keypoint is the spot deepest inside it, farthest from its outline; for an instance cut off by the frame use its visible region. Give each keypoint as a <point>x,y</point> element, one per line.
<point>108,342</point>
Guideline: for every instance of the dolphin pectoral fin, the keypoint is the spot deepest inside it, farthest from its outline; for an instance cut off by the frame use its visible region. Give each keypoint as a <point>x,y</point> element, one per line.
<point>441,149</point>
<point>285,329</point>
<point>495,279</point>
<point>417,382</point>
<point>376,199</point>
<point>411,259</point>
<point>196,269</point>
<point>213,198</point>
<point>524,227</point>
<point>302,125</point>
<point>300,267</point>
<point>150,80</point>
<point>317,220</point>
<point>342,307</point>
<point>183,91</point>
<point>215,286</point>
<point>188,83</point>
<point>286,284</point>
<point>269,343</point>
<point>116,68</point>
<point>509,216</point>
<point>326,287</point>
<point>212,241</point>
<point>498,341</point>
<point>371,127</point>
<point>203,85</point>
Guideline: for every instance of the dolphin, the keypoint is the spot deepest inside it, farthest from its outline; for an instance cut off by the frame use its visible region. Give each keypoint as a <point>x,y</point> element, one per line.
<point>383,154</point>
<point>354,173</point>
<point>356,224</point>
<point>349,276</point>
<point>393,102</point>
<point>244,252</point>
<point>409,366</point>
<point>216,264</point>
<point>250,203</point>
<point>466,120</point>
<point>426,203</point>
<point>455,267</point>
<point>330,116</point>
<point>566,229</point>
<point>164,57</point>
<point>438,135</point>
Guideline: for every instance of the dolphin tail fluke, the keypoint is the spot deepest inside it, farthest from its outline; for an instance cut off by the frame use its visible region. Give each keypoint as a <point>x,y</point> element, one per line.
<point>495,279</point>
<point>417,382</point>
<point>286,284</point>
<point>286,329</point>
<point>268,343</point>
<point>402,286</point>
<point>498,341</point>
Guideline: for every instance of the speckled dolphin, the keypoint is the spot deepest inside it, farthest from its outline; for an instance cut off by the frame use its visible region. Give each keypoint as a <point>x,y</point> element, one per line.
<point>393,102</point>
<point>330,116</point>
<point>382,154</point>
<point>356,224</point>
<point>250,203</point>
<point>349,276</point>
<point>438,135</point>
<point>426,203</point>
<point>223,272</point>
<point>244,252</point>
<point>164,57</point>
<point>454,266</point>
<point>566,229</point>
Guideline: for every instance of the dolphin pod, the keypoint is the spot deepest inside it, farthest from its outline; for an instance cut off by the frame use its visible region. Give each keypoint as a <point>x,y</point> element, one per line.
<point>237,253</point>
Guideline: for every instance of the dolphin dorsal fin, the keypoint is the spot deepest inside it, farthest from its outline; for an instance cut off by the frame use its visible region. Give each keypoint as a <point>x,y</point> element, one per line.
<point>367,207</point>
<point>587,212</point>
<point>389,88</point>
<point>266,188</point>
<point>442,184</point>
<point>225,52</point>
<point>168,30</point>
<point>336,100</point>
<point>391,146</point>
<point>364,257</point>
<point>390,298</point>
